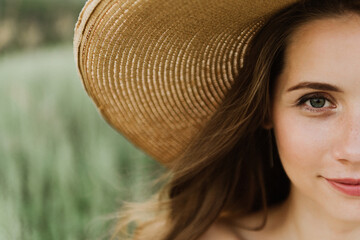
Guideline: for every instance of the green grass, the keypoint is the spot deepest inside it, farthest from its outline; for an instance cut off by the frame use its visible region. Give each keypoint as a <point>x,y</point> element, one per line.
<point>63,170</point>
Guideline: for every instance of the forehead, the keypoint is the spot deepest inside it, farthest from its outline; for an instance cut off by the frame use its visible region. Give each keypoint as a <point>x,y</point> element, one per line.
<point>325,48</point>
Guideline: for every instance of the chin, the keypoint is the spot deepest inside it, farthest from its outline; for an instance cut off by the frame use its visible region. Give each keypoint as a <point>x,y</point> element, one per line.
<point>345,210</point>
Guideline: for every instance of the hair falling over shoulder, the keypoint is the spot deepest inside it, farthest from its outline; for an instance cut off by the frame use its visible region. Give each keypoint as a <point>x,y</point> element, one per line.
<point>232,167</point>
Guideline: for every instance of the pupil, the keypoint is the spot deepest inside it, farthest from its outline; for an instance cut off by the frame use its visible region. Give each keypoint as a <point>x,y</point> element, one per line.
<point>317,102</point>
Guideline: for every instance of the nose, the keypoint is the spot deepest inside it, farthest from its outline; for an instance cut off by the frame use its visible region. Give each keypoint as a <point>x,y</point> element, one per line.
<point>347,149</point>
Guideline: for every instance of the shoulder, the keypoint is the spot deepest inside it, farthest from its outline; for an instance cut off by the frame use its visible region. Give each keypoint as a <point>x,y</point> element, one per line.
<point>220,231</point>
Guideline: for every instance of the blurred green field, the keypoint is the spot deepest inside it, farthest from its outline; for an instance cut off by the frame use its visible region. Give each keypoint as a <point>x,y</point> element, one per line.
<point>63,170</point>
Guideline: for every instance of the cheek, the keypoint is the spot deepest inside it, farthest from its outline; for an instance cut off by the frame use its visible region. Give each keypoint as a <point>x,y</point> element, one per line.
<point>302,143</point>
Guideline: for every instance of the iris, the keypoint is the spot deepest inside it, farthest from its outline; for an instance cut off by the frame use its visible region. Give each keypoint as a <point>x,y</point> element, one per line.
<point>317,102</point>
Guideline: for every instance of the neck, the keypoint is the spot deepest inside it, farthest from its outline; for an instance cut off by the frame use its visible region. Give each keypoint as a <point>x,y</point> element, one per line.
<point>310,221</point>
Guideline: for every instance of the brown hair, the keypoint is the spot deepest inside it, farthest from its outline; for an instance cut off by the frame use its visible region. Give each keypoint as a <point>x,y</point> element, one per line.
<point>232,167</point>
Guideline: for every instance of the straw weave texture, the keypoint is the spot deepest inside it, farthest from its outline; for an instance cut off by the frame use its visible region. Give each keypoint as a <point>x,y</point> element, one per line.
<point>158,69</point>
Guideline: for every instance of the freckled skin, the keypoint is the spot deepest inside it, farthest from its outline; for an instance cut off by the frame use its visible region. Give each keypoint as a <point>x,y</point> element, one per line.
<point>326,143</point>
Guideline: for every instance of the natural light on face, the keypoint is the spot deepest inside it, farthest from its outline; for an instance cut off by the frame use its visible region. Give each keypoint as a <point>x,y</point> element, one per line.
<point>316,117</point>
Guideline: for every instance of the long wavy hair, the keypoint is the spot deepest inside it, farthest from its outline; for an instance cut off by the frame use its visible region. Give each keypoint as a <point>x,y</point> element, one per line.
<point>232,167</point>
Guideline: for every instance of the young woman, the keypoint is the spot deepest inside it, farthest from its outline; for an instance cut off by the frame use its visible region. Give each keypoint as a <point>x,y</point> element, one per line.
<point>278,156</point>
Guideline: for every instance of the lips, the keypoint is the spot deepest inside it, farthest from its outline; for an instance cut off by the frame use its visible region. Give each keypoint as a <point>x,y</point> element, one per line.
<point>349,186</point>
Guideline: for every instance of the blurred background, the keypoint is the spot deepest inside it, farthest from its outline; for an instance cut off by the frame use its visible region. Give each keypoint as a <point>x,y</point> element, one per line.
<point>63,171</point>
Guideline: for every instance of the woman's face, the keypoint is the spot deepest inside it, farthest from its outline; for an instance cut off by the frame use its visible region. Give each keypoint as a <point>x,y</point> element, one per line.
<point>316,116</point>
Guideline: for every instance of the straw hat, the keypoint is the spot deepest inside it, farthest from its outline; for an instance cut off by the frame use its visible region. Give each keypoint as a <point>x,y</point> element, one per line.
<point>158,69</point>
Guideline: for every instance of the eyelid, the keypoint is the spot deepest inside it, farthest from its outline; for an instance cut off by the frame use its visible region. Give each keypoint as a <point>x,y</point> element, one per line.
<point>308,96</point>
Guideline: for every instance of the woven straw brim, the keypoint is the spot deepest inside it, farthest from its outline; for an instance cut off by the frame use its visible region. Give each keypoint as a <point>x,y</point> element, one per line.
<point>158,69</point>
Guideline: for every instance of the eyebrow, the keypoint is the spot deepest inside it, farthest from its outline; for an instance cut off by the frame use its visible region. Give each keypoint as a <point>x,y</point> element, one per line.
<point>316,86</point>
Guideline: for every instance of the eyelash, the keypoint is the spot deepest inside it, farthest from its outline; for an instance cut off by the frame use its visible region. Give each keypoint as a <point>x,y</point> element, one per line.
<point>301,102</point>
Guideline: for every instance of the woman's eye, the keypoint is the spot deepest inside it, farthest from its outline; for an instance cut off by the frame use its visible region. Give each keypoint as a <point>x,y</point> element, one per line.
<point>315,102</point>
